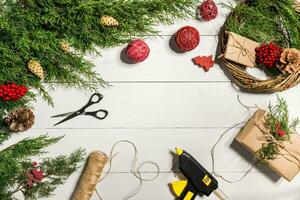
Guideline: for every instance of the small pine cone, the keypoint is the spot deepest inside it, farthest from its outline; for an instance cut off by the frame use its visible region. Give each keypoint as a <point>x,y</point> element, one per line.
<point>289,61</point>
<point>65,46</point>
<point>109,21</point>
<point>36,68</point>
<point>289,68</point>
<point>20,119</point>
<point>290,55</point>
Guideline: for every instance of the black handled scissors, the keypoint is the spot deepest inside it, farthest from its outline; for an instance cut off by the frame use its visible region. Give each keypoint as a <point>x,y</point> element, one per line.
<point>95,98</point>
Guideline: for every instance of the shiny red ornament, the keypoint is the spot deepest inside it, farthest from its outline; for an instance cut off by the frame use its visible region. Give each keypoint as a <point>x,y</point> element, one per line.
<point>208,10</point>
<point>137,51</point>
<point>12,92</point>
<point>187,38</point>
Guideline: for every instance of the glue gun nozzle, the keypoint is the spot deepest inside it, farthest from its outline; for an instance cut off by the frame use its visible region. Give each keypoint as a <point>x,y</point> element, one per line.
<point>179,151</point>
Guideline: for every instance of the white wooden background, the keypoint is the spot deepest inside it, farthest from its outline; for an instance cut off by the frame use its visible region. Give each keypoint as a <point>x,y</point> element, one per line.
<point>163,103</point>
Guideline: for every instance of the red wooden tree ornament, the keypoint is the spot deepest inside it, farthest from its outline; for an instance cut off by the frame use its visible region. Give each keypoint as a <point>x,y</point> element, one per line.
<point>206,62</point>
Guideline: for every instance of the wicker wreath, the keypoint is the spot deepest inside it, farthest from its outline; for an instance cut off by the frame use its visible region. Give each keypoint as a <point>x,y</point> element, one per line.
<point>250,83</point>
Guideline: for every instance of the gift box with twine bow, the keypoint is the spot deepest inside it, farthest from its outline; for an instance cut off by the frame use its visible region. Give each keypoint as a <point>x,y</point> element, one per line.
<point>255,133</point>
<point>241,50</point>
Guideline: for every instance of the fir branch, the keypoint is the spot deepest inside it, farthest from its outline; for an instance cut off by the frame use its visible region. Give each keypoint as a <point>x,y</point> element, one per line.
<point>32,29</point>
<point>267,21</point>
<point>10,158</point>
<point>15,162</point>
<point>57,170</point>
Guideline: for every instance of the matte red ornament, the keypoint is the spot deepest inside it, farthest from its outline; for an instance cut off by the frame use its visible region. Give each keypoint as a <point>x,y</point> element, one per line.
<point>187,38</point>
<point>137,51</point>
<point>208,10</point>
<point>12,92</point>
<point>206,62</point>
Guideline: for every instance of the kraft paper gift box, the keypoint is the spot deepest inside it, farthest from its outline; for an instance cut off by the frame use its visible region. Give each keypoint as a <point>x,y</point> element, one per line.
<point>251,137</point>
<point>240,49</point>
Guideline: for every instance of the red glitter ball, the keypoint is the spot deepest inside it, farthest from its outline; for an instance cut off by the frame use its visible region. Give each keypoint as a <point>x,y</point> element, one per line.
<point>187,38</point>
<point>208,10</point>
<point>137,51</point>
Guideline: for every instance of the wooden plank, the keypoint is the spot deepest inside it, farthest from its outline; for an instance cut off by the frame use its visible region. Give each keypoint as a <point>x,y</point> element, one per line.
<point>163,63</point>
<point>155,145</point>
<point>255,186</point>
<point>160,105</point>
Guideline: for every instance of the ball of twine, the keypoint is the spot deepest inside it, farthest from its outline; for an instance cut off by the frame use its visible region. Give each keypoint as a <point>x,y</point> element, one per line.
<point>137,51</point>
<point>251,83</point>
<point>187,38</point>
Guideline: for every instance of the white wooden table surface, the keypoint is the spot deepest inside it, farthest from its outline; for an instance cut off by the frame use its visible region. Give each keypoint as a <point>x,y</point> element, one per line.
<point>162,103</point>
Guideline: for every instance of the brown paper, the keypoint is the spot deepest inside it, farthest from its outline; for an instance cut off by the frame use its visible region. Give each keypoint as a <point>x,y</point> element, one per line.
<point>251,137</point>
<point>240,49</point>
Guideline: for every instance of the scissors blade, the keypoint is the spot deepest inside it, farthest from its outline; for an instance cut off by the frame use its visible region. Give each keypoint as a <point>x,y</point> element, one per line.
<point>75,114</point>
<point>62,115</point>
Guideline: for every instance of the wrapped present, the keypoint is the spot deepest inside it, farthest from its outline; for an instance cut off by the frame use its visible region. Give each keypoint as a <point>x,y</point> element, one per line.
<point>253,135</point>
<point>240,49</point>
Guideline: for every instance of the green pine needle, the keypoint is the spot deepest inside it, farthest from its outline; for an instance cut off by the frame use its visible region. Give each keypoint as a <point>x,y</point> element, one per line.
<point>267,21</point>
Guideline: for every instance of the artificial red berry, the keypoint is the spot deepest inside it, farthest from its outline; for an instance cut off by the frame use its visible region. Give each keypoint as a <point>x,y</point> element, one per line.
<point>268,54</point>
<point>12,92</point>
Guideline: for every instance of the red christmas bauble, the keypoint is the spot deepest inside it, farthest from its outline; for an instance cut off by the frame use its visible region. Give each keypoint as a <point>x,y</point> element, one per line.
<point>208,10</point>
<point>137,51</point>
<point>187,38</point>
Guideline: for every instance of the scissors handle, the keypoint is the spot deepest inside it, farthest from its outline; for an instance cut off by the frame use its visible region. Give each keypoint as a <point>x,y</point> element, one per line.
<point>95,98</point>
<point>99,114</point>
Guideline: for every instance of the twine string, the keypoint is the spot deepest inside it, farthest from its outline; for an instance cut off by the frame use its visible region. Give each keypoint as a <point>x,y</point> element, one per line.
<point>243,50</point>
<point>214,159</point>
<point>212,152</point>
<point>271,139</point>
<point>268,137</point>
<point>135,169</point>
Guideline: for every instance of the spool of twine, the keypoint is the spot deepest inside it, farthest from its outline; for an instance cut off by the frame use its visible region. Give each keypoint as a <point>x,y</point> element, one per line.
<point>90,176</point>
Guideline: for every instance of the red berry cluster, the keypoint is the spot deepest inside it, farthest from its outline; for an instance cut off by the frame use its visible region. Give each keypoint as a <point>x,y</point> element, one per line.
<point>12,92</point>
<point>268,54</point>
<point>278,130</point>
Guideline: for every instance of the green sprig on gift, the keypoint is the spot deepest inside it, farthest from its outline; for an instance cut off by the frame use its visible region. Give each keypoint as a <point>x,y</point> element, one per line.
<point>280,127</point>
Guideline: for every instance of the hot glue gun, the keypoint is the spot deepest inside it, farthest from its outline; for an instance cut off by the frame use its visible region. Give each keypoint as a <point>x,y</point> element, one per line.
<point>199,180</point>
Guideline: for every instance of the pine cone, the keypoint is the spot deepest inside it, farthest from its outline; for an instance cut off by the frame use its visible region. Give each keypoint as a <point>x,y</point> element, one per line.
<point>108,21</point>
<point>289,60</point>
<point>65,46</point>
<point>36,68</point>
<point>20,119</point>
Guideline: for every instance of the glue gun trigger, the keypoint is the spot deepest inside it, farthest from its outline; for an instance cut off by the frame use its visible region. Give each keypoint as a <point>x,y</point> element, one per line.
<point>178,187</point>
<point>183,190</point>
